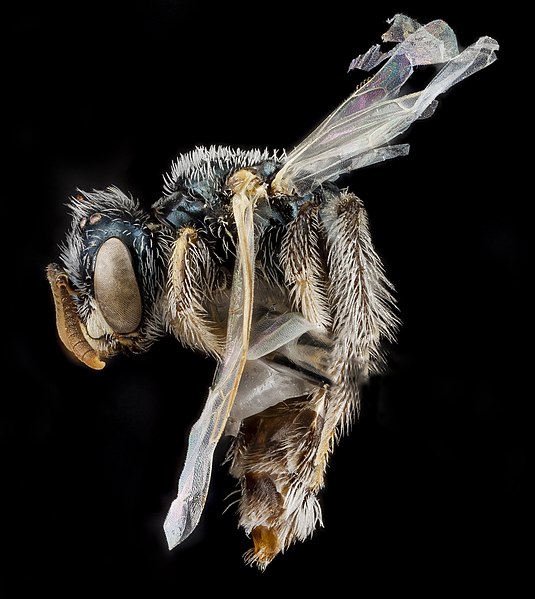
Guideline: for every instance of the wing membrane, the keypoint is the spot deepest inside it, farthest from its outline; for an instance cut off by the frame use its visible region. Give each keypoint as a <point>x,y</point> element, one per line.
<point>356,133</point>
<point>185,511</point>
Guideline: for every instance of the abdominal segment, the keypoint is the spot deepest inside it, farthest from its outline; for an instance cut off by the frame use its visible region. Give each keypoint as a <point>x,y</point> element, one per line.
<point>274,457</point>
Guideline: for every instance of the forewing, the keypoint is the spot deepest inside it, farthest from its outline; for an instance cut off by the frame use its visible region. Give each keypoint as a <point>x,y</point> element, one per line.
<point>356,133</point>
<point>185,511</point>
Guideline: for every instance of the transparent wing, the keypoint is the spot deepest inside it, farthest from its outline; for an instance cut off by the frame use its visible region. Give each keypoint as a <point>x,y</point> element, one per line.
<point>185,511</point>
<point>356,133</point>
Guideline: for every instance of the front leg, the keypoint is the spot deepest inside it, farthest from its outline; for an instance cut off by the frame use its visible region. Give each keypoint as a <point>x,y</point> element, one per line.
<point>192,288</point>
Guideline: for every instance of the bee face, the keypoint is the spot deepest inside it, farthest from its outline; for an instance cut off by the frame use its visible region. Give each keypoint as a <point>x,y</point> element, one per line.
<point>105,292</point>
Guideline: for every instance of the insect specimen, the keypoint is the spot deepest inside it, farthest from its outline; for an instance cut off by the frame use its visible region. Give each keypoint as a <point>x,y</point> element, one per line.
<point>258,259</point>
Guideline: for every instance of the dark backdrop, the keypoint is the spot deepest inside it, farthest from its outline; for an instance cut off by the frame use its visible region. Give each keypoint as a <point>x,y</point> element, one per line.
<point>429,487</point>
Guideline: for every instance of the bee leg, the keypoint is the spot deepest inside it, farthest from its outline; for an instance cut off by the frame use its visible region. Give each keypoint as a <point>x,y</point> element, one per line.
<point>304,262</point>
<point>360,295</point>
<point>364,315</point>
<point>192,288</point>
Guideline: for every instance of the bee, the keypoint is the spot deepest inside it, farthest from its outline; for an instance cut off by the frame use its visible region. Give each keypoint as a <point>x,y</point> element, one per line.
<point>260,260</point>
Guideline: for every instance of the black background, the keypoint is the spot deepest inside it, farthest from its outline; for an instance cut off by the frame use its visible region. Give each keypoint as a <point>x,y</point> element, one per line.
<point>429,488</point>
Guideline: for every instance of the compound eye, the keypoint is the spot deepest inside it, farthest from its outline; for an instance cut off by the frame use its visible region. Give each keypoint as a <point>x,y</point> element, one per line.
<point>116,288</point>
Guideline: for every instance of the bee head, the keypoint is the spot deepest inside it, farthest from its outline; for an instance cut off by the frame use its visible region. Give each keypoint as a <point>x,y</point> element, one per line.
<point>106,290</point>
